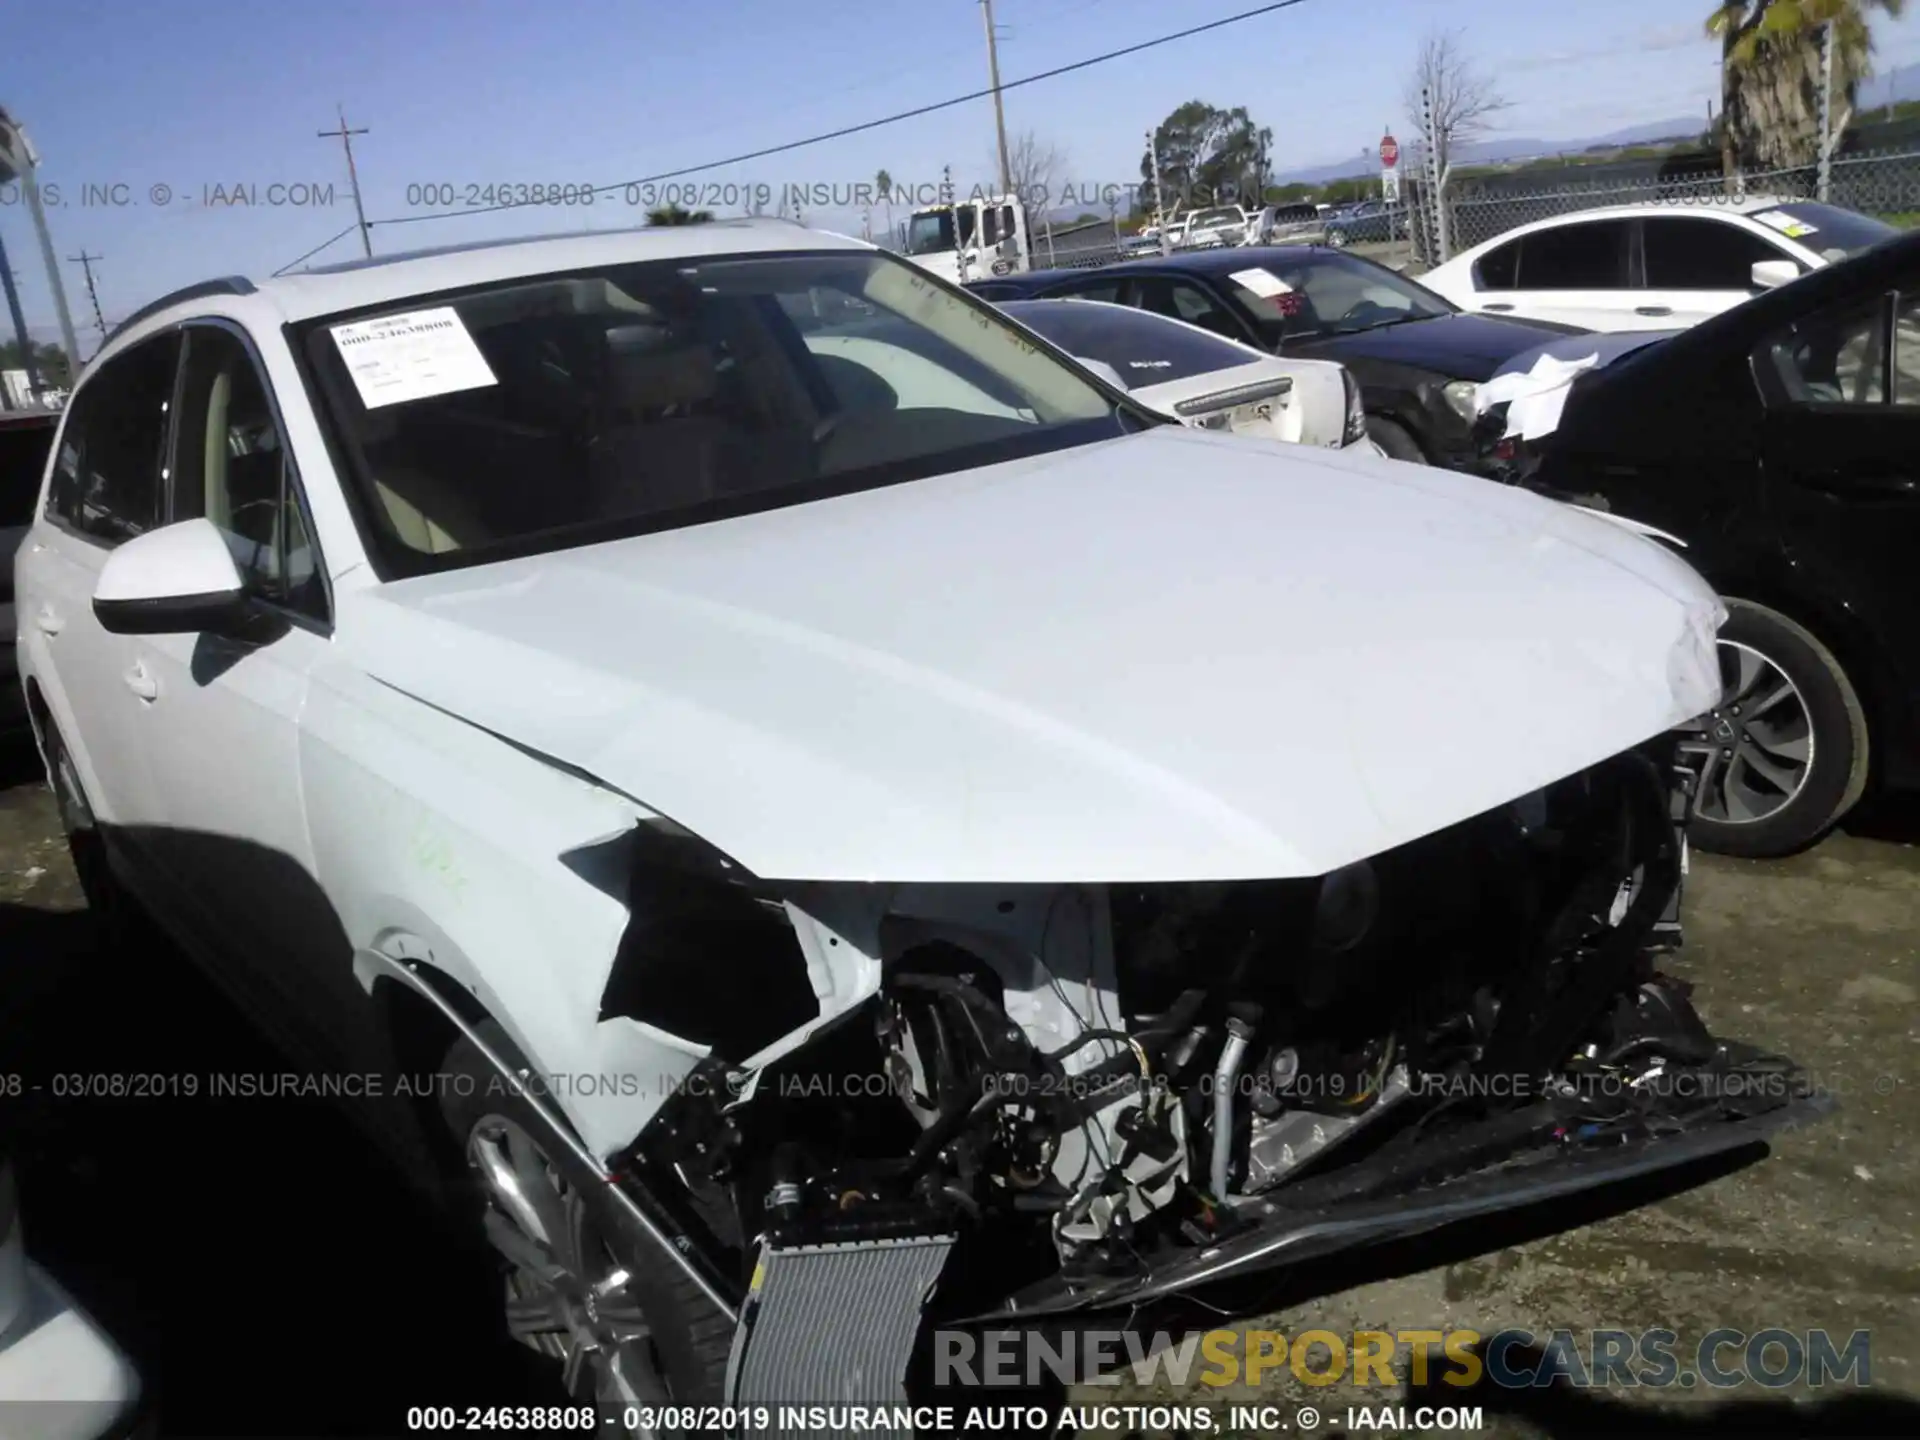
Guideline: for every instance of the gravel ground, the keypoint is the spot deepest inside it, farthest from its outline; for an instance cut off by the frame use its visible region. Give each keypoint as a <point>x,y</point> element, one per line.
<point>271,1277</point>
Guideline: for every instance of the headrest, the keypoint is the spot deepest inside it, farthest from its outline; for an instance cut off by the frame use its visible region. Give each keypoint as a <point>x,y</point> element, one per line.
<point>652,379</point>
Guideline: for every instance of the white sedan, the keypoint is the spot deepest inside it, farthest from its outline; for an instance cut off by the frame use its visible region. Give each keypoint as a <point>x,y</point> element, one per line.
<point>1202,379</point>
<point>1652,267</point>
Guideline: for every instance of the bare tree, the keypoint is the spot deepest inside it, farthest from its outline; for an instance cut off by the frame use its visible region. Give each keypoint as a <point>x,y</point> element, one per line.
<point>1462,98</point>
<point>1036,167</point>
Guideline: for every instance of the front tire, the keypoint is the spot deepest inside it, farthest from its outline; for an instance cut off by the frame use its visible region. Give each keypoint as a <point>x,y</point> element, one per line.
<point>1337,239</point>
<point>1394,438</point>
<point>115,909</point>
<point>1785,754</point>
<point>625,1328</point>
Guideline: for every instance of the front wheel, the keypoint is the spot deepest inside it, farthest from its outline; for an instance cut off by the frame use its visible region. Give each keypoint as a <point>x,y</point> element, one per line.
<point>1784,755</point>
<point>1337,239</point>
<point>628,1331</point>
<point>1394,438</point>
<point>115,909</point>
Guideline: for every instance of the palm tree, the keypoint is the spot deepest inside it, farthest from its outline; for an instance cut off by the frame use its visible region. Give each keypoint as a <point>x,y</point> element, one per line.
<point>883,182</point>
<point>674,215</point>
<point>1771,74</point>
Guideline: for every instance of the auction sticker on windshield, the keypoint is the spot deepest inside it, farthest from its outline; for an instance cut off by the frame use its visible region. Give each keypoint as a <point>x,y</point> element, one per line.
<point>411,356</point>
<point>1790,226</point>
<point>1263,283</point>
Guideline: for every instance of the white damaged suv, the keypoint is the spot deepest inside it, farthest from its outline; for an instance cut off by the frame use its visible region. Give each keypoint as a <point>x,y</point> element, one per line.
<point>781,823</point>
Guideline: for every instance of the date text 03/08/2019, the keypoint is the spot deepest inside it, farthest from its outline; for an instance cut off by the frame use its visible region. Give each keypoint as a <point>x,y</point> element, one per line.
<point>842,1419</point>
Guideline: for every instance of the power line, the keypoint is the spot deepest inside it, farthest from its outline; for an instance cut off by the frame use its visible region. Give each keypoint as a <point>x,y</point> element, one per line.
<point>337,235</point>
<point>867,125</point>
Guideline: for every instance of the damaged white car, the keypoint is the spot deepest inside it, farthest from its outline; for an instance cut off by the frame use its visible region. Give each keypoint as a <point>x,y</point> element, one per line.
<point>814,862</point>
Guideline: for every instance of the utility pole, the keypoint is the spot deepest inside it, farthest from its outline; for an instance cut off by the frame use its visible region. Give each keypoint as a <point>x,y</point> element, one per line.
<point>999,110</point>
<point>27,361</point>
<point>345,137</point>
<point>1826,110</point>
<point>1159,200</point>
<point>1438,168</point>
<point>19,160</point>
<point>85,262</point>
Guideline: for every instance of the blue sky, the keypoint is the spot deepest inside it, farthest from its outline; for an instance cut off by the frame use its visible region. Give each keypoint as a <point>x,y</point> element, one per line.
<point>471,92</point>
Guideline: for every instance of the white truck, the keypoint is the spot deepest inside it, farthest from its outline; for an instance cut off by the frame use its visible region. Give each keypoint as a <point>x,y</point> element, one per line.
<point>971,239</point>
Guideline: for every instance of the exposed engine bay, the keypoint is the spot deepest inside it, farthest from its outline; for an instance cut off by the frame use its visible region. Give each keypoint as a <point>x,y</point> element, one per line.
<point>1121,1092</point>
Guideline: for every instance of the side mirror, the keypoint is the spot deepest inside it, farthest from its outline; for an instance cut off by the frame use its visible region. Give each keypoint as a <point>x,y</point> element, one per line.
<point>176,580</point>
<point>1772,274</point>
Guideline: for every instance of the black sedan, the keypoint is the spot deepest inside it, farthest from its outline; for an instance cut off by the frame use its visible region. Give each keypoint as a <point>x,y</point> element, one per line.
<point>1780,442</point>
<point>1417,358</point>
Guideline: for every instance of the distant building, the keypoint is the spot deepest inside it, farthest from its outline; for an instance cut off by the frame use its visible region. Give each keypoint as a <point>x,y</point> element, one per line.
<point>16,393</point>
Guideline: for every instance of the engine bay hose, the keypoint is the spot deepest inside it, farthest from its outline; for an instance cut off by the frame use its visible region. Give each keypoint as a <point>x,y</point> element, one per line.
<point>1225,1075</point>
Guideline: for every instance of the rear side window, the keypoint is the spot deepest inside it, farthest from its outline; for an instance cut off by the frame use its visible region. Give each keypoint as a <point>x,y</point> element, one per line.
<point>1700,254</point>
<point>1590,256</point>
<point>1183,300</point>
<point>1837,357</point>
<point>1108,290</point>
<point>106,475</point>
<point>1499,269</point>
<point>23,460</point>
<point>1848,356</point>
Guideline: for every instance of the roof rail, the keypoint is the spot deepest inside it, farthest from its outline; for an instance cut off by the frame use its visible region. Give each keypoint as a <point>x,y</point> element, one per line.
<point>228,285</point>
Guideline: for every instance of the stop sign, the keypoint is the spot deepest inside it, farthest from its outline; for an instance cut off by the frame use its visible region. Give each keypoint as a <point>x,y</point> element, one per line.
<point>1389,152</point>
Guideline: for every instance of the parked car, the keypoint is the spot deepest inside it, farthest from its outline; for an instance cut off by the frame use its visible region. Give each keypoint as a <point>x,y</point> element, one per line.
<point>1417,359</point>
<point>1366,222</point>
<point>1200,379</point>
<point>25,436</point>
<point>1202,229</point>
<point>563,671</point>
<point>1299,224</point>
<point>1652,267</point>
<point>1780,442</point>
<point>62,1377</point>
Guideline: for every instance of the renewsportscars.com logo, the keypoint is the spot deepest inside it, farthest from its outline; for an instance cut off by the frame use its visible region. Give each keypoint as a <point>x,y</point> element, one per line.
<point>1512,1359</point>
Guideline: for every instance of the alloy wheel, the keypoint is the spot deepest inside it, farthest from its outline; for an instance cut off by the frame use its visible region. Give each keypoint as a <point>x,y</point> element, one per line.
<point>1755,748</point>
<point>567,1296</point>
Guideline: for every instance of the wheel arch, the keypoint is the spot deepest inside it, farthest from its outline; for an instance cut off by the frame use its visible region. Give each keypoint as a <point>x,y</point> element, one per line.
<point>1842,634</point>
<point>456,1012</point>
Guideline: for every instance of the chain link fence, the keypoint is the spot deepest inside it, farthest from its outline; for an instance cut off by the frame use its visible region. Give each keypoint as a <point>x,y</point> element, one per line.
<point>1886,184</point>
<point>1883,183</point>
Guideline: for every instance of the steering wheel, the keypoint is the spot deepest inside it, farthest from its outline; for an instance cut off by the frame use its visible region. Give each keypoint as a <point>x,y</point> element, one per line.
<point>1360,307</point>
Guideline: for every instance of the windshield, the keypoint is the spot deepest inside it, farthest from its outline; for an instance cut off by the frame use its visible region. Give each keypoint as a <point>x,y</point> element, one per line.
<point>548,411</point>
<point>1219,217</point>
<point>1142,348</point>
<point>1830,232</point>
<point>930,233</point>
<point>1329,293</point>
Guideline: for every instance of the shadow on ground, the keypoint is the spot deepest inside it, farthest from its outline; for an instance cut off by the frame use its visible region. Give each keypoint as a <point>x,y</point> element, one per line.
<point>1894,818</point>
<point>266,1270</point>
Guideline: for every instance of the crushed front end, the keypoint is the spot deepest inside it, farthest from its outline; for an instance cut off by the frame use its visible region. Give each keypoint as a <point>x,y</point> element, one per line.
<point>1113,1094</point>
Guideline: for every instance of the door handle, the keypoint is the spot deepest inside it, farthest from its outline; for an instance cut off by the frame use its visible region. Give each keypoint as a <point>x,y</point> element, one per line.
<point>49,621</point>
<point>1500,308</point>
<point>1653,310</point>
<point>141,683</point>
